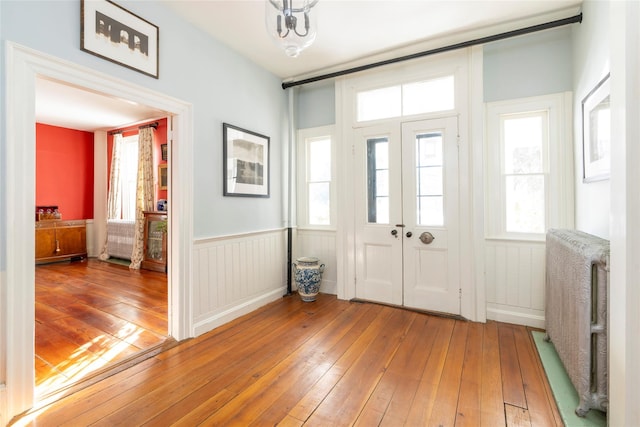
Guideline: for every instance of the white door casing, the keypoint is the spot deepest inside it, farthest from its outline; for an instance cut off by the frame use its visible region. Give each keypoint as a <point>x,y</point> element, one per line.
<point>467,65</point>
<point>24,66</point>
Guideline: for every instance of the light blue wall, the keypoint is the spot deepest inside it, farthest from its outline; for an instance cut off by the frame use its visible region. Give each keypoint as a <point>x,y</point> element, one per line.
<point>591,55</point>
<point>530,65</point>
<point>316,104</point>
<point>222,85</point>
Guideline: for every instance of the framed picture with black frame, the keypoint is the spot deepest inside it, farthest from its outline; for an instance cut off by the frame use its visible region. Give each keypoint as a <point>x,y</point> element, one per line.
<point>245,166</point>
<point>113,33</point>
<point>596,133</point>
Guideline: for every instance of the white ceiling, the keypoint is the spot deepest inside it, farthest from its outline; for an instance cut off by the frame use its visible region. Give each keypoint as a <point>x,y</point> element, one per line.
<point>66,106</point>
<point>350,33</point>
<point>350,30</point>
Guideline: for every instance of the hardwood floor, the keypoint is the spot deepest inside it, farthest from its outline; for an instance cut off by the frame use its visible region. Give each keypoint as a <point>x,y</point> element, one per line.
<point>324,363</point>
<point>92,314</point>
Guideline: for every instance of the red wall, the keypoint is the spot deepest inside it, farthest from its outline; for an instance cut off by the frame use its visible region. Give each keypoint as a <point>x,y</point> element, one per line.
<point>160,138</point>
<point>64,170</point>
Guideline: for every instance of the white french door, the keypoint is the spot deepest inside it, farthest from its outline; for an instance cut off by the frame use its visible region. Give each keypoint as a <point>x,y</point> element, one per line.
<point>406,204</point>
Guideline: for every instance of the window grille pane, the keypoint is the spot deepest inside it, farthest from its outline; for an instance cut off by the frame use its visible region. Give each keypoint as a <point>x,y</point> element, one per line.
<point>382,155</point>
<point>378,180</point>
<point>429,177</point>
<point>129,176</point>
<point>525,204</point>
<point>430,181</point>
<point>429,149</point>
<point>382,210</point>
<point>379,103</point>
<point>382,183</point>
<point>428,96</point>
<point>319,160</point>
<point>523,142</point>
<point>430,210</point>
<point>319,205</point>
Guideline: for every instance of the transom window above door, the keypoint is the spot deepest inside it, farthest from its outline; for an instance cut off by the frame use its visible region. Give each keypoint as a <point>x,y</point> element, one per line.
<point>426,96</point>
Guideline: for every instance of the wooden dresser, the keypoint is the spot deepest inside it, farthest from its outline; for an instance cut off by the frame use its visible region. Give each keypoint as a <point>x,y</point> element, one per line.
<point>58,240</point>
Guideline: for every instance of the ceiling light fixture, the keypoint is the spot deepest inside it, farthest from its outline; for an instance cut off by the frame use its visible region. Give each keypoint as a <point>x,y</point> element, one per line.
<point>293,28</point>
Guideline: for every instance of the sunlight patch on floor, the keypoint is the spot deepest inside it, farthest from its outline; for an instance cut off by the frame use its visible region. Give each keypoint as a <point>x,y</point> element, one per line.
<point>83,361</point>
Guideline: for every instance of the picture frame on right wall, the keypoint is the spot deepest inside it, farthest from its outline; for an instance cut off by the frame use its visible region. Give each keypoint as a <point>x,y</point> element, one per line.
<point>596,133</point>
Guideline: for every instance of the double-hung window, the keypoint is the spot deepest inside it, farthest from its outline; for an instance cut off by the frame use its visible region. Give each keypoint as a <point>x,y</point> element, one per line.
<point>316,192</point>
<point>529,166</point>
<point>525,168</point>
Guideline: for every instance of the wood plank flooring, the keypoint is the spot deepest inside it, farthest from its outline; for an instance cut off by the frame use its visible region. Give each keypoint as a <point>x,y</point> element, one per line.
<point>91,315</point>
<point>326,363</point>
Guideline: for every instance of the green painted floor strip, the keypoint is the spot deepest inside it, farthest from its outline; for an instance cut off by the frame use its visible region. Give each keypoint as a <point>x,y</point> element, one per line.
<point>563,391</point>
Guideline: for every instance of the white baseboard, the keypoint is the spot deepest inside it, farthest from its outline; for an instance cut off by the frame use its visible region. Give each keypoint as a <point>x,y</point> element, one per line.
<point>507,314</point>
<point>329,287</point>
<point>217,319</point>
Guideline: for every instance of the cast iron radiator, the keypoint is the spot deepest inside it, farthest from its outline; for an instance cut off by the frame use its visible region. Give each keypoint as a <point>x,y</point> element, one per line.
<point>577,269</point>
<point>120,235</point>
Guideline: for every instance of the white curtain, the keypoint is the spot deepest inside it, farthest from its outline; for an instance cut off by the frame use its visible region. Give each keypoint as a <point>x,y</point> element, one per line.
<point>114,198</point>
<point>144,192</point>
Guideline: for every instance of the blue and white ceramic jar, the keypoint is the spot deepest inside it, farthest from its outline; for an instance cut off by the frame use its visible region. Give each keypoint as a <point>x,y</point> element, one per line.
<point>308,274</point>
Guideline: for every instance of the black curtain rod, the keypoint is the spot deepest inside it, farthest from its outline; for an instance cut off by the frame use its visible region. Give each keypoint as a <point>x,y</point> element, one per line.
<point>482,40</point>
<point>150,125</point>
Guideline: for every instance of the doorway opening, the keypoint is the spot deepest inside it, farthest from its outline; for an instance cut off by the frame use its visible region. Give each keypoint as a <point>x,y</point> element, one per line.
<point>94,315</point>
<point>24,67</point>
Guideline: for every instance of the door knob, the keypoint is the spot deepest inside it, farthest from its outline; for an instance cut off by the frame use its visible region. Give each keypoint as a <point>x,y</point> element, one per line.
<point>409,234</point>
<point>394,232</point>
<point>426,238</point>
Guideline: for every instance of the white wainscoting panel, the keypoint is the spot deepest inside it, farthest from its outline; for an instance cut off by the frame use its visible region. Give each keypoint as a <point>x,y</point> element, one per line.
<point>322,245</point>
<point>234,275</point>
<point>515,278</point>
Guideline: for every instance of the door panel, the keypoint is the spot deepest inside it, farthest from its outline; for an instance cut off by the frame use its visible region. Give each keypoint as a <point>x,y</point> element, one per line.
<point>378,208</point>
<point>430,188</point>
